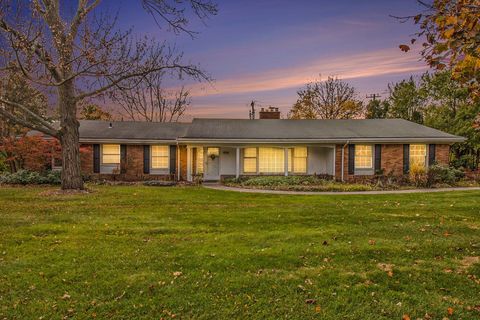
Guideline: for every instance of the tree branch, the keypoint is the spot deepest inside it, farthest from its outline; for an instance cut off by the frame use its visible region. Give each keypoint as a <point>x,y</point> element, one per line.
<point>27,124</point>
<point>36,117</point>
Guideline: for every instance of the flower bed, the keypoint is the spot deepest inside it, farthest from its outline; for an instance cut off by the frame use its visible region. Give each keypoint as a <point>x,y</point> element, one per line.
<point>435,177</point>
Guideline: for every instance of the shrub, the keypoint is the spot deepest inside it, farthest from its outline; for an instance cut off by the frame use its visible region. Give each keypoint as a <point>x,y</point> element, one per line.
<point>25,177</point>
<point>417,175</point>
<point>438,174</point>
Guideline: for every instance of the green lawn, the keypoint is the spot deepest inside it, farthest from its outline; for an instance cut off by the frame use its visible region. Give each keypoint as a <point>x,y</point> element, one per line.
<point>147,252</point>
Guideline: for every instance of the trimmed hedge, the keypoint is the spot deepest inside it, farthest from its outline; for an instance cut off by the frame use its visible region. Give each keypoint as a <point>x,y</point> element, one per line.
<point>25,177</point>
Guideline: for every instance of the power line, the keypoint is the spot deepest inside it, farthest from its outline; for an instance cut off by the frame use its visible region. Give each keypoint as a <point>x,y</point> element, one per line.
<point>373,96</point>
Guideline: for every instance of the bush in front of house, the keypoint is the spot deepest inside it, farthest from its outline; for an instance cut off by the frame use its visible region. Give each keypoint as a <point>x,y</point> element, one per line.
<point>24,177</point>
<point>438,174</point>
<point>296,183</point>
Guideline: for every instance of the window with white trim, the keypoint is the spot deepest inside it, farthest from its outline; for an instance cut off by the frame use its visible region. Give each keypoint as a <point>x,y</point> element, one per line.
<point>250,160</point>
<point>297,159</point>
<point>418,155</point>
<point>160,157</point>
<point>363,156</point>
<point>110,154</point>
<point>271,160</point>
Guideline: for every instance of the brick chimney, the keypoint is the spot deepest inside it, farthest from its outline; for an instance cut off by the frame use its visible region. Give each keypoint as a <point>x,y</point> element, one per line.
<point>269,113</point>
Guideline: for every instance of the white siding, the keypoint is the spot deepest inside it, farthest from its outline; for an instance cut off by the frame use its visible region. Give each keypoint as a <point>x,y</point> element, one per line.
<point>227,161</point>
<point>320,160</point>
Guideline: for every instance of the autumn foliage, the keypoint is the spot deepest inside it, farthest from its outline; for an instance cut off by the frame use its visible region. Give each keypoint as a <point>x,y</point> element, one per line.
<point>30,152</point>
<point>450,31</point>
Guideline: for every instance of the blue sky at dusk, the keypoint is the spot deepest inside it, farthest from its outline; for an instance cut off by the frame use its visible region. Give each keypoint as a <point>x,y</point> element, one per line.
<point>267,50</point>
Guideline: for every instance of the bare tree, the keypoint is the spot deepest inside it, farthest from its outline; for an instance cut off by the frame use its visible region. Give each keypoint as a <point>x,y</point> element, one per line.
<point>330,99</point>
<point>148,101</point>
<point>82,57</point>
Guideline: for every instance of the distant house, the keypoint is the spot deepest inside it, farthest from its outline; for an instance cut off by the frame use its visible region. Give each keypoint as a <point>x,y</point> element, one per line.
<point>219,148</point>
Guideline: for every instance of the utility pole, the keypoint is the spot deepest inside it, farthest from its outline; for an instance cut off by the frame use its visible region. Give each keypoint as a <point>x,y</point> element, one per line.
<point>373,96</point>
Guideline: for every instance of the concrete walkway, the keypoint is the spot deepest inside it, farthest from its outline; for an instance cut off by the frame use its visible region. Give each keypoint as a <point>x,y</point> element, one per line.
<point>216,186</point>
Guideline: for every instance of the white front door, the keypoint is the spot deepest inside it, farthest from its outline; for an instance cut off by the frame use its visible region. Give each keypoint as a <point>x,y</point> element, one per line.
<point>212,164</point>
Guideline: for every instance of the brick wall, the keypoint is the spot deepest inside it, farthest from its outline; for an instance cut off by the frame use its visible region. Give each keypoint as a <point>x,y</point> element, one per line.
<point>392,159</point>
<point>391,162</point>
<point>133,166</point>
<point>86,158</point>
<point>442,154</point>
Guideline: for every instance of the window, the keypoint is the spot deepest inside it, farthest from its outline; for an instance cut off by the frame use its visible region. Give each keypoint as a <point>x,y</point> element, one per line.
<point>199,159</point>
<point>363,157</point>
<point>271,160</point>
<point>159,156</point>
<point>250,160</point>
<point>418,155</point>
<point>297,159</point>
<point>111,154</point>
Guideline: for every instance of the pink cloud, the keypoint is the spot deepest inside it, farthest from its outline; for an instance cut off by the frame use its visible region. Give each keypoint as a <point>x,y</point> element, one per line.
<point>370,64</point>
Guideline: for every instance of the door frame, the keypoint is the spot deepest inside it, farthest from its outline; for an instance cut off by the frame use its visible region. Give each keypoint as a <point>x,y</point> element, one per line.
<point>205,169</point>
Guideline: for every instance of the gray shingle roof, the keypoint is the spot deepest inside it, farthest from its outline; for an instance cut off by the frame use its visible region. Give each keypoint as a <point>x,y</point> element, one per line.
<point>131,130</point>
<point>358,129</point>
<point>271,130</point>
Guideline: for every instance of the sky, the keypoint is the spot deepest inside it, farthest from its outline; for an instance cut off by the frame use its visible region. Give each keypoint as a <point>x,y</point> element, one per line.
<point>266,50</point>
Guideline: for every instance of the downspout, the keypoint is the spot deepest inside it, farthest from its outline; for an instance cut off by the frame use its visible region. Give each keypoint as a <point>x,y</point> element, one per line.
<point>343,158</point>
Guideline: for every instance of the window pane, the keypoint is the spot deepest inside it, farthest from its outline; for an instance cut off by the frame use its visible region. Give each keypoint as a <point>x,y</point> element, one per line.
<point>111,153</point>
<point>300,160</point>
<point>418,154</point>
<point>271,160</point>
<point>250,165</point>
<point>159,157</point>
<point>199,160</point>
<point>250,152</point>
<point>159,162</point>
<point>213,151</point>
<point>301,152</point>
<point>160,151</point>
<point>363,157</point>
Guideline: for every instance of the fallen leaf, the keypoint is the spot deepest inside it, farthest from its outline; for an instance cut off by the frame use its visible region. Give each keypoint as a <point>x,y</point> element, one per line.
<point>405,317</point>
<point>390,274</point>
<point>371,242</point>
<point>450,311</point>
<point>177,274</point>
<point>310,301</point>
<point>65,296</point>
<point>318,309</point>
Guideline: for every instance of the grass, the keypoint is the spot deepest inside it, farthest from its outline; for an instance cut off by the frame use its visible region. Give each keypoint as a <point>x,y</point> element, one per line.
<point>133,252</point>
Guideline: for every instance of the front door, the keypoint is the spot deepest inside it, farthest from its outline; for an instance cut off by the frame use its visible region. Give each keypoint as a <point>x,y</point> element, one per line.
<point>212,164</point>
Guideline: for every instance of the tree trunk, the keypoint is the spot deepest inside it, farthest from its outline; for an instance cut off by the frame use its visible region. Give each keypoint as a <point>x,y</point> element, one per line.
<point>69,138</point>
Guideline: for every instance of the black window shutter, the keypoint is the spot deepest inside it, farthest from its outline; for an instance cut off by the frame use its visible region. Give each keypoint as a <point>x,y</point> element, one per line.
<point>96,158</point>
<point>378,157</point>
<point>351,159</point>
<point>146,159</point>
<point>431,154</point>
<point>173,158</point>
<point>123,158</point>
<point>406,158</point>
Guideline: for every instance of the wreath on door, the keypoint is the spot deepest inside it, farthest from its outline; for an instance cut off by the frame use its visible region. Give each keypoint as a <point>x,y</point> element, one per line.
<point>213,156</point>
